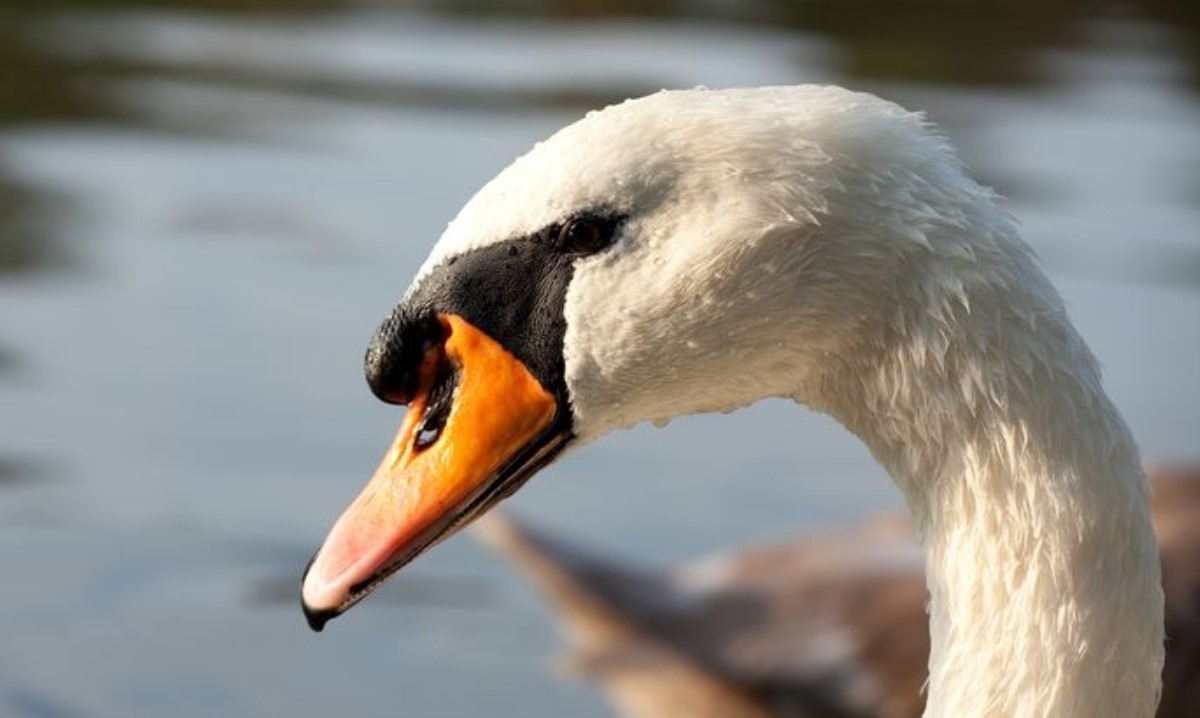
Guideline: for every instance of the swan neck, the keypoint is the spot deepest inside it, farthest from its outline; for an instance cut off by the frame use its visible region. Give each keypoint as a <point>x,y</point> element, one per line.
<point>1033,510</point>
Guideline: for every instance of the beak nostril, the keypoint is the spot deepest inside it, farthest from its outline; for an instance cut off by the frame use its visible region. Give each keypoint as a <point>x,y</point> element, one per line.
<point>398,354</point>
<point>438,403</point>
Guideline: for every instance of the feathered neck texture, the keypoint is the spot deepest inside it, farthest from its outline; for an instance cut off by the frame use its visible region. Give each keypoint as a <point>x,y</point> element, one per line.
<point>1025,484</point>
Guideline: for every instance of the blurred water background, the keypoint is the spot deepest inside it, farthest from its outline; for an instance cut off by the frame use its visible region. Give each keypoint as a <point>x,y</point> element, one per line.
<point>205,207</point>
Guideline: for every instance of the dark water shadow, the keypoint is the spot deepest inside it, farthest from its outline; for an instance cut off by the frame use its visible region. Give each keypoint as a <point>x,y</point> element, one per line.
<point>392,92</point>
<point>30,220</point>
<point>1182,16</point>
<point>17,472</point>
<point>954,42</point>
<point>959,42</point>
<point>42,82</point>
<point>24,702</point>
<point>30,243</point>
<point>9,361</point>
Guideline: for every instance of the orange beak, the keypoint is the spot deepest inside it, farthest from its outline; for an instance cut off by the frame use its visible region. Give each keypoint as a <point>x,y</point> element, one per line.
<point>477,428</point>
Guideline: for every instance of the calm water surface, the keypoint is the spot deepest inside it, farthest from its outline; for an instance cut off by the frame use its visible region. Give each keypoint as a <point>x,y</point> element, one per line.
<point>203,215</point>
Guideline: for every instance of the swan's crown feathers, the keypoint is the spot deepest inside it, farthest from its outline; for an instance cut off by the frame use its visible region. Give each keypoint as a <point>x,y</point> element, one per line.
<point>636,154</point>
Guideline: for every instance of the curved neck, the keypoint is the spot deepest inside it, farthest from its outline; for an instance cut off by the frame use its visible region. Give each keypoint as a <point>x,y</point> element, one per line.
<point>1030,501</point>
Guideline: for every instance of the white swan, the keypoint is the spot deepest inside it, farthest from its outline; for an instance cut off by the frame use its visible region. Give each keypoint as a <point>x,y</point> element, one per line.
<point>698,251</point>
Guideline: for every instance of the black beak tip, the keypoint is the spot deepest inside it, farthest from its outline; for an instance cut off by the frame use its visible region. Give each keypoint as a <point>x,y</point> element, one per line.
<point>317,618</point>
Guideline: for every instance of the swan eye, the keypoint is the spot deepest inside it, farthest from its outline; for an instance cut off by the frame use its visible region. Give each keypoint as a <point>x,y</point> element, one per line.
<point>586,235</point>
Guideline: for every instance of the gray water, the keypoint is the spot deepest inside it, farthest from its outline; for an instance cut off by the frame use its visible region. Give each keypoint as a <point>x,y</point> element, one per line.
<point>204,213</point>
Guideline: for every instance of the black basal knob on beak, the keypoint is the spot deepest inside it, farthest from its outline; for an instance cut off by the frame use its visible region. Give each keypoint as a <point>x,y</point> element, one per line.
<point>397,351</point>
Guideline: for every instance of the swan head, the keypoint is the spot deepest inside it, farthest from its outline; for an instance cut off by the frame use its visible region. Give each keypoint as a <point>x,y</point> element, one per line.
<point>685,252</point>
